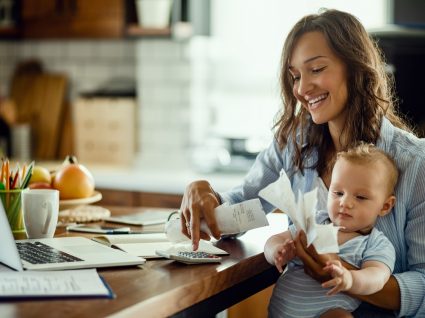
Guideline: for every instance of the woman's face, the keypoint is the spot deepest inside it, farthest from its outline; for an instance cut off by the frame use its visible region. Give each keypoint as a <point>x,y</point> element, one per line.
<point>320,80</point>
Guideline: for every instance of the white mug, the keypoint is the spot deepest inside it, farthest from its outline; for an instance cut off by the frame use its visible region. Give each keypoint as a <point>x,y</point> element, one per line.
<point>40,209</point>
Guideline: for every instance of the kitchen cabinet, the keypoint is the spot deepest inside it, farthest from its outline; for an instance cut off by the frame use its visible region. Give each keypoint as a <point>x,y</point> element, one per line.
<point>82,19</point>
<point>133,28</point>
<point>254,306</point>
<point>91,19</point>
<point>72,18</point>
<point>135,198</point>
<point>9,32</point>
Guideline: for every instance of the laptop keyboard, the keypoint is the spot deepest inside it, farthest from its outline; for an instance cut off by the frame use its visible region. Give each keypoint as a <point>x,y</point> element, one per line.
<point>39,253</point>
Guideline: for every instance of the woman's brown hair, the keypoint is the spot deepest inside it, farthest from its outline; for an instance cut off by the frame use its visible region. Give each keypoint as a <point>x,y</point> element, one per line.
<point>370,89</point>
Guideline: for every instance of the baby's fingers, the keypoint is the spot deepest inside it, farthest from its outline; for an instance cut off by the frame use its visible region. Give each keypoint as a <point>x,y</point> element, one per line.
<point>333,269</point>
<point>333,291</point>
<point>335,283</point>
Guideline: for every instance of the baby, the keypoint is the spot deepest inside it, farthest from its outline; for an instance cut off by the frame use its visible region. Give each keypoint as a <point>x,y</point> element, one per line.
<point>361,190</point>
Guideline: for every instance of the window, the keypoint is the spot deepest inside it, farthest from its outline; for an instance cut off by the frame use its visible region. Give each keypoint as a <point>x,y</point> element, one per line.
<point>240,93</point>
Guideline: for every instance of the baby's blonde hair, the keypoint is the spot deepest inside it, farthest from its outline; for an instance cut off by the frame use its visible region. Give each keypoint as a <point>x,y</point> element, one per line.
<point>365,153</point>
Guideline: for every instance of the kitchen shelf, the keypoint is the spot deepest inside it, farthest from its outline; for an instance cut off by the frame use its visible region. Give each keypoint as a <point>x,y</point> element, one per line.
<point>135,30</point>
<point>8,32</point>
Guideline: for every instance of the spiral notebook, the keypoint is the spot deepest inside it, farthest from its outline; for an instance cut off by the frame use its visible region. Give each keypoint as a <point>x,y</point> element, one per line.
<point>53,284</point>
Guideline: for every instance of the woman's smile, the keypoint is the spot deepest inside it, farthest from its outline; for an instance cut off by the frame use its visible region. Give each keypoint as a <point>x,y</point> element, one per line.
<point>317,101</point>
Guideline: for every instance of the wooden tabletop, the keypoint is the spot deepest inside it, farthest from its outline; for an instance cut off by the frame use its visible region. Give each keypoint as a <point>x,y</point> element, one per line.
<point>162,288</point>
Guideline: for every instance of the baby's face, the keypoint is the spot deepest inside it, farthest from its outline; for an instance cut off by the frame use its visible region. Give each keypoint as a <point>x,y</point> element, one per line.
<point>357,195</point>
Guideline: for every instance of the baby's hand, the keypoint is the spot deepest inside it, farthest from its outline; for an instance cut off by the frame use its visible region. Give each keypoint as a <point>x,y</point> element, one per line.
<point>342,279</point>
<point>283,254</point>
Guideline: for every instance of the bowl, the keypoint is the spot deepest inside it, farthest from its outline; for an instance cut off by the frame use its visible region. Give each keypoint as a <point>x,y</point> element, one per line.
<point>72,203</point>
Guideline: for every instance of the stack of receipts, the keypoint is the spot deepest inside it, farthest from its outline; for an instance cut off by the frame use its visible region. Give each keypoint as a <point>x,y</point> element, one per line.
<point>324,237</point>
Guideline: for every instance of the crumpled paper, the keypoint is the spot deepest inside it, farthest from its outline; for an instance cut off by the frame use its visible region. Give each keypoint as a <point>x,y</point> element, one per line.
<point>324,237</point>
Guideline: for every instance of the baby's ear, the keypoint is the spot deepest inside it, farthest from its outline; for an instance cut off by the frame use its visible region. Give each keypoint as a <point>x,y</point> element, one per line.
<point>388,205</point>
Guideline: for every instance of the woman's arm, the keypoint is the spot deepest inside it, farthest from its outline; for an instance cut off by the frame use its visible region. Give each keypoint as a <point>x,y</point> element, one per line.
<point>388,297</point>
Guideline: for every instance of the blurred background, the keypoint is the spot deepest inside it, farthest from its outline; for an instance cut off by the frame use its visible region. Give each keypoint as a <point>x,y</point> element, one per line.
<point>183,83</point>
<point>153,94</point>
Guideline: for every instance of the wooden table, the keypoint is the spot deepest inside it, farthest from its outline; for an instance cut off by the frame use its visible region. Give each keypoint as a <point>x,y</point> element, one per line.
<point>162,288</point>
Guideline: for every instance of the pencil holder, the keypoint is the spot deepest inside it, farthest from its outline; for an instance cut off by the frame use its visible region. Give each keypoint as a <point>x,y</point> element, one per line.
<point>11,200</point>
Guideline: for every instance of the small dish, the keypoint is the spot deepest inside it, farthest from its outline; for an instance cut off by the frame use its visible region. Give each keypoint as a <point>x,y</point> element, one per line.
<point>67,204</point>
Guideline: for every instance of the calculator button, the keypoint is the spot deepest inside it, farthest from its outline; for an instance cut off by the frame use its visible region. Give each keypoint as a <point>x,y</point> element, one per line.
<point>197,255</point>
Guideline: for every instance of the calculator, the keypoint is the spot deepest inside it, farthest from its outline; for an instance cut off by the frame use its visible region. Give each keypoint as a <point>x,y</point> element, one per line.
<point>191,257</point>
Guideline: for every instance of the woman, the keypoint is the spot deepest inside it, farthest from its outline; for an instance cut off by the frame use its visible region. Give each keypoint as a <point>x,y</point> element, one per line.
<point>335,93</point>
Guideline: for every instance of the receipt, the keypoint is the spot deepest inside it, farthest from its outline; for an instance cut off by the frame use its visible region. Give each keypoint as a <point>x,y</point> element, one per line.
<point>240,217</point>
<point>302,213</point>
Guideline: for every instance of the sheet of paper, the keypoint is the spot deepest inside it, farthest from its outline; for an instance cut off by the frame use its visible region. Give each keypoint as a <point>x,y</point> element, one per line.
<point>327,239</point>
<point>74,283</point>
<point>302,213</point>
<point>145,250</point>
<point>114,239</point>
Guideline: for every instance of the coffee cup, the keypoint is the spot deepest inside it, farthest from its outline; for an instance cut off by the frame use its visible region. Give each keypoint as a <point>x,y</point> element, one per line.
<point>40,209</point>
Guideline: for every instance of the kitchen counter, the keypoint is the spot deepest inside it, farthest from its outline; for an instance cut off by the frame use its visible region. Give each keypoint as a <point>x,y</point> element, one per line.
<point>172,181</point>
<point>155,178</point>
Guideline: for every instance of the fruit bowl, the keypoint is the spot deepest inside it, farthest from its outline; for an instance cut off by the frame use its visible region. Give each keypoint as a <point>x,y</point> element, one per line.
<point>68,204</point>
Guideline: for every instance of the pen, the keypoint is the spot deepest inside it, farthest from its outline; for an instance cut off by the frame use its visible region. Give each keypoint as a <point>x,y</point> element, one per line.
<point>122,232</point>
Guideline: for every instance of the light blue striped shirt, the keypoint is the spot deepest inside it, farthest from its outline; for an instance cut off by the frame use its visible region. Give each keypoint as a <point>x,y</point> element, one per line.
<point>404,226</point>
<point>298,295</point>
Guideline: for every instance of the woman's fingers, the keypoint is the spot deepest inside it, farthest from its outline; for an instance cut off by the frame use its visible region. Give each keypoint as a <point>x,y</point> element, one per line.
<point>194,228</point>
<point>184,224</point>
<point>279,260</point>
<point>210,203</point>
<point>199,202</point>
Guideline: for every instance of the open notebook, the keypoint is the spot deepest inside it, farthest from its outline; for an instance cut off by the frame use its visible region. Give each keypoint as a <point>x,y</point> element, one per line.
<point>149,217</point>
<point>146,245</point>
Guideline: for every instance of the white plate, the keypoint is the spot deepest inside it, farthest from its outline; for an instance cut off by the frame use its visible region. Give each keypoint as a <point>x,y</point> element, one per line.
<point>66,204</point>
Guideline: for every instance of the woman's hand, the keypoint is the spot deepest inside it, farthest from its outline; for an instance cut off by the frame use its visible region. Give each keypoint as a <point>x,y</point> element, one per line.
<point>313,262</point>
<point>199,202</point>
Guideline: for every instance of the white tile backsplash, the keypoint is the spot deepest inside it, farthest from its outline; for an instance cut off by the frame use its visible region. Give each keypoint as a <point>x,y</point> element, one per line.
<point>161,68</point>
<point>163,85</point>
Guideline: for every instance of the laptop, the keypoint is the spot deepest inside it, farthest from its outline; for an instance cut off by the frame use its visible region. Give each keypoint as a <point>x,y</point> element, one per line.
<point>58,253</point>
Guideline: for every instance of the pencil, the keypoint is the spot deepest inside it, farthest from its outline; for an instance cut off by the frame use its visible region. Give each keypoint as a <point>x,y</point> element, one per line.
<point>23,174</point>
<point>2,171</point>
<point>15,179</point>
<point>7,175</point>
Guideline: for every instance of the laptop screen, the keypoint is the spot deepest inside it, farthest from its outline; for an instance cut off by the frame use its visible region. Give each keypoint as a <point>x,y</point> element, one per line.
<point>8,253</point>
